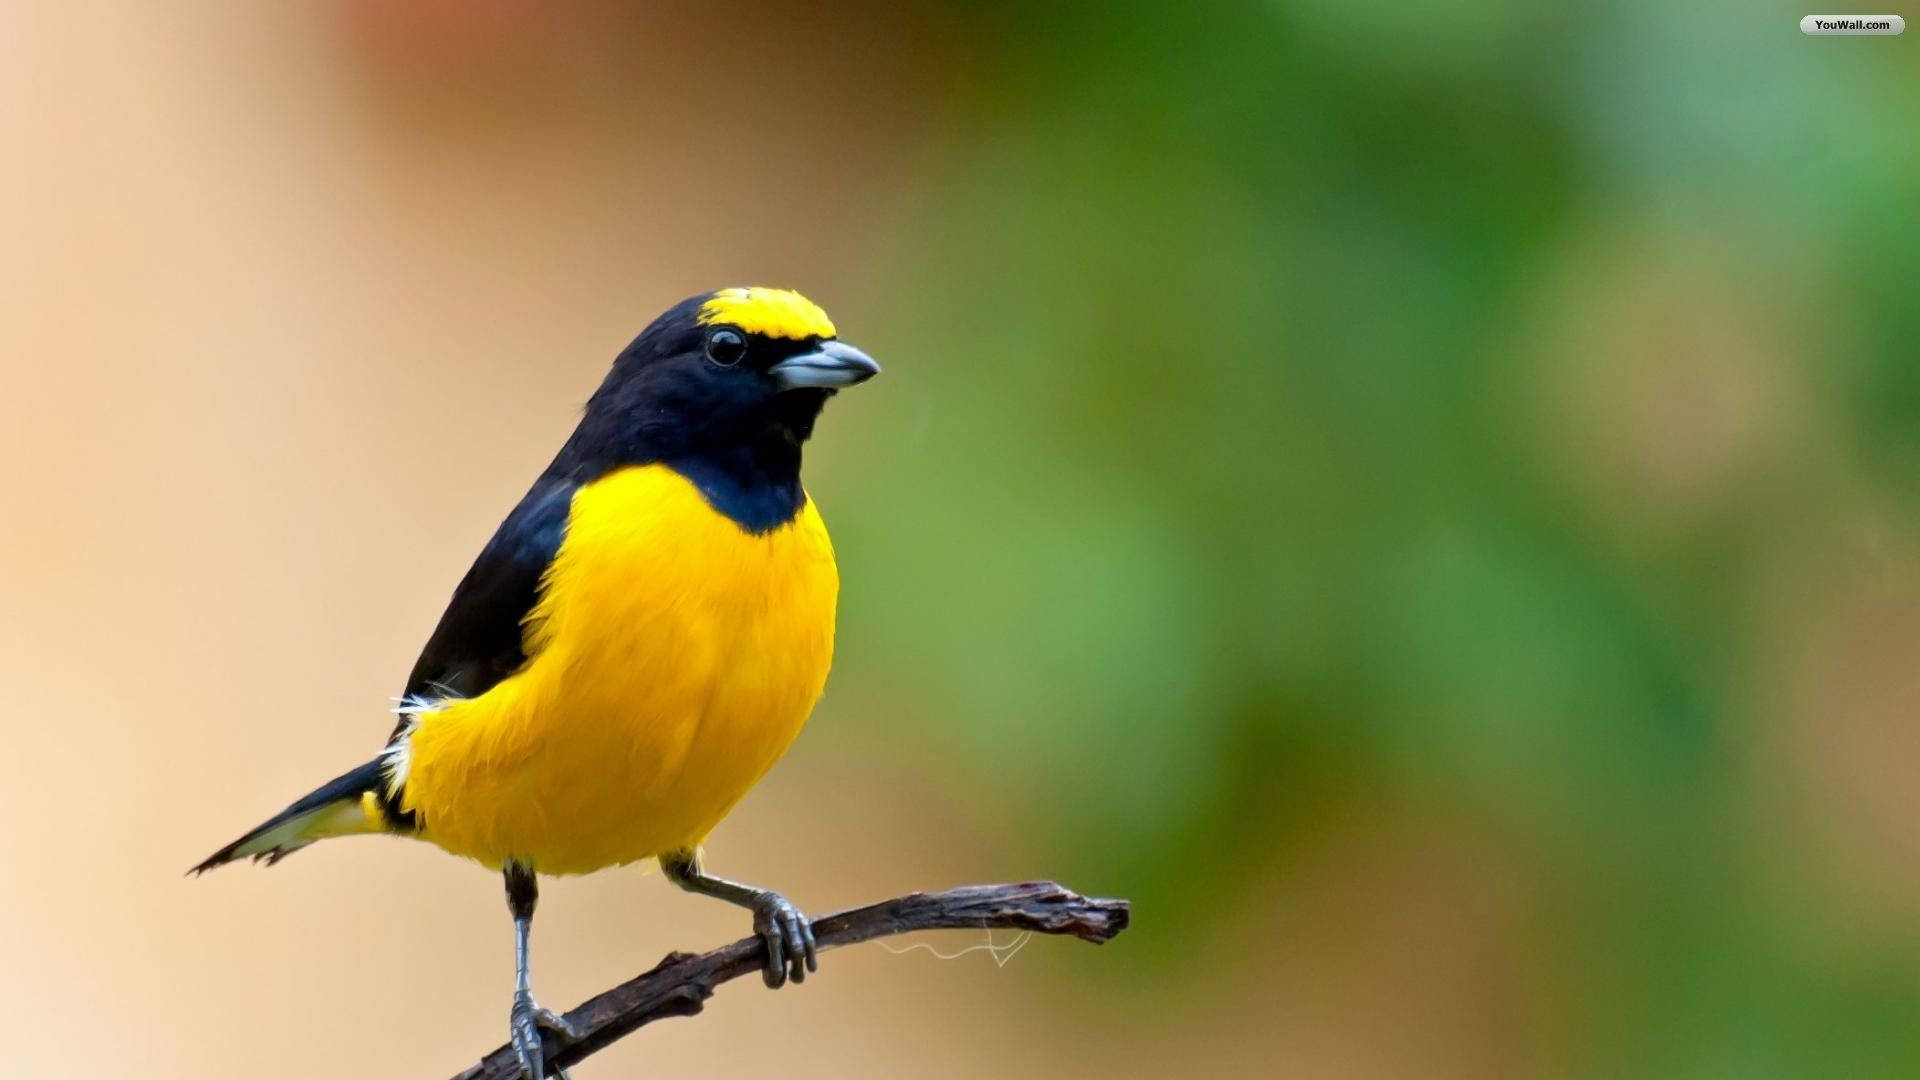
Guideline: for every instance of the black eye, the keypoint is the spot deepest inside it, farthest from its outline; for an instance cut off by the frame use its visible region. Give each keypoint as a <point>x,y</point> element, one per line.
<point>725,346</point>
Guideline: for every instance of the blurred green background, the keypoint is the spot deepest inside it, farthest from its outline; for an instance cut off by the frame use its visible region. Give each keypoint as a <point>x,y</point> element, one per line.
<point>1421,499</point>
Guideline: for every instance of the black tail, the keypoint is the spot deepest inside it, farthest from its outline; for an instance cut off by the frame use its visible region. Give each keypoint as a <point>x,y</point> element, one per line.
<point>333,809</point>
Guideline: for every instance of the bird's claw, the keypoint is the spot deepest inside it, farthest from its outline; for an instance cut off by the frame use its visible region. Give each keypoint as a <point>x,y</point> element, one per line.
<point>789,936</point>
<point>525,1021</point>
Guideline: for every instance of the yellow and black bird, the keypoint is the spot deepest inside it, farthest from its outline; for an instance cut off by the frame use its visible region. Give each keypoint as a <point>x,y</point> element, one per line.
<point>637,644</point>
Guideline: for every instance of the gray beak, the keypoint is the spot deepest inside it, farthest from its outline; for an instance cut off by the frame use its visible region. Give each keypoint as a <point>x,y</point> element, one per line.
<point>832,365</point>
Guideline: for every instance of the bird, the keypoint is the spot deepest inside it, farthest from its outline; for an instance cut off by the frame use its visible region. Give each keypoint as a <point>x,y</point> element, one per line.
<point>638,643</point>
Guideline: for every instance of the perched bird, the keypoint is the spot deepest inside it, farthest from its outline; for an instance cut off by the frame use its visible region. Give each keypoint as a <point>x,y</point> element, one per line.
<point>637,644</point>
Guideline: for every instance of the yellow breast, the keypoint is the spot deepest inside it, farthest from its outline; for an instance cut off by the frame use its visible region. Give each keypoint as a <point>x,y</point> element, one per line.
<point>674,657</point>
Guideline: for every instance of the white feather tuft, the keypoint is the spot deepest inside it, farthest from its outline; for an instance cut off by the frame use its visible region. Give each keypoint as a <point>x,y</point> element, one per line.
<point>398,755</point>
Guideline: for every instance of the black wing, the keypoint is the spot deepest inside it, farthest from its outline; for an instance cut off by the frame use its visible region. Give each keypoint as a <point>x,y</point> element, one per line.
<point>479,642</point>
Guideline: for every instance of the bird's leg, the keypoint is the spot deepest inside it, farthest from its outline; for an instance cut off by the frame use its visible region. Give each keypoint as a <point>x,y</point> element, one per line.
<point>788,934</point>
<point>528,1017</point>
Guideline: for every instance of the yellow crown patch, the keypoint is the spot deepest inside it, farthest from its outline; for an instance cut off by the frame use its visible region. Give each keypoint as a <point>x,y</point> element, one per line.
<point>780,313</point>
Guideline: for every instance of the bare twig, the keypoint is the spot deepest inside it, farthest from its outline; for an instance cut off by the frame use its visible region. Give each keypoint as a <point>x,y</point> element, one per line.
<point>681,984</point>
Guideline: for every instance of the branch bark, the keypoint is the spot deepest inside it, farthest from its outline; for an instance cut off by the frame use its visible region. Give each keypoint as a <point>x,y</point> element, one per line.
<point>680,984</point>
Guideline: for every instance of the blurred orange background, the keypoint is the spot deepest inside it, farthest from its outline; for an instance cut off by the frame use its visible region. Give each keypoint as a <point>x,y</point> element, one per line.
<point>1426,510</point>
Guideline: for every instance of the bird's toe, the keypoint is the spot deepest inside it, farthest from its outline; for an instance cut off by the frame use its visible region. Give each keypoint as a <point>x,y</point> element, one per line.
<point>525,1023</point>
<point>791,952</point>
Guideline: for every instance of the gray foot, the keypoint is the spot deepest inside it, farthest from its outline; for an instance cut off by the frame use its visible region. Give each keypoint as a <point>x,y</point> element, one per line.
<point>526,1020</point>
<point>789,938</point>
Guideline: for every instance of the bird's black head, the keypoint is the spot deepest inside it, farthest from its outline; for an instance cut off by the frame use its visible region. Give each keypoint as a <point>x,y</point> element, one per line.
<point>724,388</point>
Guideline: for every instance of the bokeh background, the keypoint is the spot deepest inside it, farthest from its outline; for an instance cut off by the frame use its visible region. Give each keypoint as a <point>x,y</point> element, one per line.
<point>1424,499</point>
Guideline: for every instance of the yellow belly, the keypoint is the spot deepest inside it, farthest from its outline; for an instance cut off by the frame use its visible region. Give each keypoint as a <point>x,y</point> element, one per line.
<point>674,658</point>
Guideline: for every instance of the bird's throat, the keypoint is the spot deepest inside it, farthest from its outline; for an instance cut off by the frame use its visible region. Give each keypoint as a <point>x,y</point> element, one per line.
<point>754,484</point>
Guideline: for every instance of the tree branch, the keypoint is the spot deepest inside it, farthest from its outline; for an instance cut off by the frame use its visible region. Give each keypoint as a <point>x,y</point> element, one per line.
<point>681,984</point>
